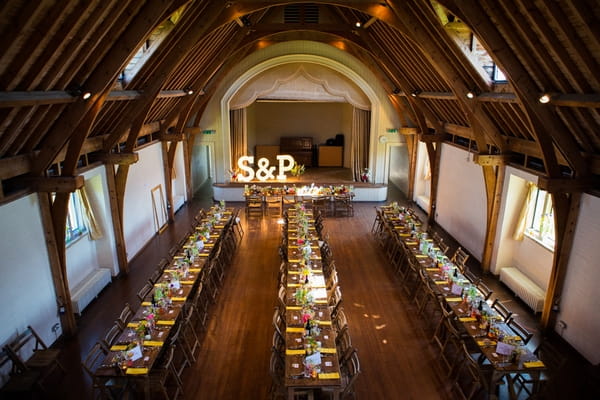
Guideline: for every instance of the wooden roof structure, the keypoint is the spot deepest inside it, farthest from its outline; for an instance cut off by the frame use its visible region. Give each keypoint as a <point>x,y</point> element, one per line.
<point>66,100</point>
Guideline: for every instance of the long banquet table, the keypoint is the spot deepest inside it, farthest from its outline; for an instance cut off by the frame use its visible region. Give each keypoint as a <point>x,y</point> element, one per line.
<point>296,341</point>
<point>115,365</point>
<point>460,295</point>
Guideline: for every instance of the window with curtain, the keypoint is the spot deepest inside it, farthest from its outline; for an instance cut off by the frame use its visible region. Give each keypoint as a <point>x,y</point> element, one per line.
<point>76,226</point>
<point>540,219</point>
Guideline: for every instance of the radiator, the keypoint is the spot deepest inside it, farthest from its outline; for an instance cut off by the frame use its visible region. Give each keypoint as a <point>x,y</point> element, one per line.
<point>523,287</point>
<point>89,288</point>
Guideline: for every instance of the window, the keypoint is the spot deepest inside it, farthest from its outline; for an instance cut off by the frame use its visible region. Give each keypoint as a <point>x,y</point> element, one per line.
<point>540,220</point>
<point>75,220</point>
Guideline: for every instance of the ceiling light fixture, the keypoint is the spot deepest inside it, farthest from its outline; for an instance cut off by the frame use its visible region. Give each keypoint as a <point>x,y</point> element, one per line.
<point>545,98</point>
<point>86,95</point>
<point>470,94</point>
<point>189,91</point>
<point>415,92</point>
<point>358,24</point>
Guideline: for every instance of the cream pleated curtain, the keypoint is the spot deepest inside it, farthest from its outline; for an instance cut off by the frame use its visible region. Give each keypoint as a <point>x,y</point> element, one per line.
<point>238,135</point>
<point>521,225</point>
<point>92,223</point>
<point>359,155</point>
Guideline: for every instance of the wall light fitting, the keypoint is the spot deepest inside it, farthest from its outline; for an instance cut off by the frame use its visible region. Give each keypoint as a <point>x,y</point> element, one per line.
<point>545,98</point>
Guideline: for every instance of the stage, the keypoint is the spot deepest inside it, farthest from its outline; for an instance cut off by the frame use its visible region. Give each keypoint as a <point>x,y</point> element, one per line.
<point>325,176</point>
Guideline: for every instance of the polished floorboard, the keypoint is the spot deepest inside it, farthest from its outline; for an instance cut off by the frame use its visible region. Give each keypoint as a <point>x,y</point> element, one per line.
<point>397,360</point>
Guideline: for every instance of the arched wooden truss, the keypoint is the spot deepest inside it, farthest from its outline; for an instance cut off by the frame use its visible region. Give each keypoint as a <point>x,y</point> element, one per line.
<point>54,51</point>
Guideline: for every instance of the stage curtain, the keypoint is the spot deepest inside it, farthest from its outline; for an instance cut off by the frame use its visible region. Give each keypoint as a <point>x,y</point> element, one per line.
<point>361,129</point>
<point>238,135</point>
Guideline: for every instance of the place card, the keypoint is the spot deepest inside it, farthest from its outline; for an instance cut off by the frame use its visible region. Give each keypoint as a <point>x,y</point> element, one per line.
<point>456,289</point>
<point>504,348</point>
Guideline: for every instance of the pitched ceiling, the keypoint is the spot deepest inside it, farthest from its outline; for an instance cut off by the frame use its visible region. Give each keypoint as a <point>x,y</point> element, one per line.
<point>53,51</point>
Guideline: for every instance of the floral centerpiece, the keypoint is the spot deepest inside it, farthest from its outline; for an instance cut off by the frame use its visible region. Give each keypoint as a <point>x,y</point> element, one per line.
<point>303,296</point>
<point>306,252</point>
<point>297,169</point>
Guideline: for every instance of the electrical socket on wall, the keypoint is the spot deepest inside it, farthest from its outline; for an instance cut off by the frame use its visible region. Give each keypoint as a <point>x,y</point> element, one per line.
<point>562,324</point>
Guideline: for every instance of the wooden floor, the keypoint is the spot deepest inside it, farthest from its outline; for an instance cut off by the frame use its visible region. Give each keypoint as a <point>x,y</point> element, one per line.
<point>397,360</point>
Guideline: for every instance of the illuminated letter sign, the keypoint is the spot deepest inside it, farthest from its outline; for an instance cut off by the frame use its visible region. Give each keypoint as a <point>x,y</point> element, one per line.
<point>282,167</point>
<point>264,172</point>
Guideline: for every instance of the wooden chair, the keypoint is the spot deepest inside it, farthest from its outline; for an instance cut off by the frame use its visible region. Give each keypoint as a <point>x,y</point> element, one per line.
<point>20,384</point>
<point>342,205</point>
<point>533,385</point>
<point>110,388</point>
<point>254,205</point>
<point>189,338</point>
<point>335,300</point>
<point>43,360</point>
<point>125,316</point>
<point>470,378</point>
<point>484,290</point>
<point>162,264</point>
<point>111,335</point>
<point>278,389</point>
<point>321,203</point>
<point>501,309</point>
<point>443,247</point>
<point>278,323</point>
<point>159,377</point>
<point>520,330</point>
<point>460,257</point>
<point>155,276</point>
<point>144,291</point>
<point>351,370</point>
<point>237,223</point>
<point>273,203</point>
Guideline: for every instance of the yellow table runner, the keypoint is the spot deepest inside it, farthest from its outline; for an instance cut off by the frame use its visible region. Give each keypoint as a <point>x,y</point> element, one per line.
<point>118,347</point>
<point>153,343</point>
<point>291,352</point>
<point>467,319</point>
<point>327,350</point>
<point>330,375</point>
<point>136,371</point>
<point>534,364</point>
<point>165,322</point>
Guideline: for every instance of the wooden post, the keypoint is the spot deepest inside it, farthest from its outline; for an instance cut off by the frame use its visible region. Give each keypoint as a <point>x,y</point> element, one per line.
<point>59,275</point>
<point>494,182</point>
<point>566,211</point>
<point>116,219</point>
<point>168,169</point>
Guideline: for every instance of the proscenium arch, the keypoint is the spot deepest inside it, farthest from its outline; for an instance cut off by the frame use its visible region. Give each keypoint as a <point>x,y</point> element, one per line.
<point>304,58</point>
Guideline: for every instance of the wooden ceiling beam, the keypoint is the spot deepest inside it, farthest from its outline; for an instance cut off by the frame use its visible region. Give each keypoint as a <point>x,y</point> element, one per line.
<point>419,28</point>
<point>194,25</point>
<point>55,184</point>
<point>36,98</point>
<point>579,51</point>
<point>432,138</point>
<point>492,160</point>
<point>546,125</point>
<point>126,158</point>
<point>101,80</point>
<point>568,185</point>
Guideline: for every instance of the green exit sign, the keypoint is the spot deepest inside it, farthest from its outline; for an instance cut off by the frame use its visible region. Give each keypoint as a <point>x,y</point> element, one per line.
<point>209,132</point>
<point>391,130</point>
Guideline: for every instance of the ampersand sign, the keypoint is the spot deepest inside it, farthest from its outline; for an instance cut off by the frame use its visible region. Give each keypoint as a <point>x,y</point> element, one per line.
<point>264,172</point>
